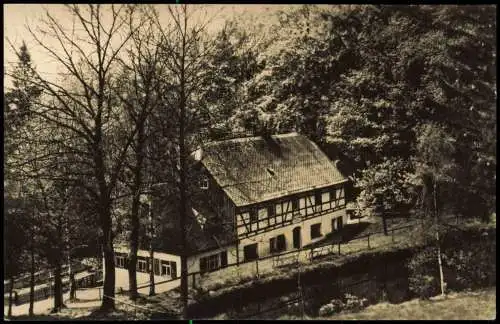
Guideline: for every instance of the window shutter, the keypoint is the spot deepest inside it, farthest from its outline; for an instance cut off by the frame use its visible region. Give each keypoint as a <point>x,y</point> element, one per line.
<point>157,267</point>
<point>223,258</point>
<point>203,264</point>
<point>173,269</point>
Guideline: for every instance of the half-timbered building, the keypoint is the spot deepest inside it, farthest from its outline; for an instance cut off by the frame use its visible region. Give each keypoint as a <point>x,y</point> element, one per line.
<point>257,197</point>
<point>278,193</point>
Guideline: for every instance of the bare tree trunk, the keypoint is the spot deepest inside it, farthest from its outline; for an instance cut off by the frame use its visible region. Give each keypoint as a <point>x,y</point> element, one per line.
<point>183,216</point>
<point>151,272</point>
<point>58,295</point>
<point>151,256</point>
<point>182,180</point>
<point>32,281</point>
<point>134,234</point>
<point>58,288</point>
<point>108,302</point>
<point>11,289</point>
<point>441,277</point>
<point>134,246</point>
<point>384,221</point>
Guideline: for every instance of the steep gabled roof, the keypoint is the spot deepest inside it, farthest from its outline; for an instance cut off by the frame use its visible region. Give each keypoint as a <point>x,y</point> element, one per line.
<point>205,230</point>
<point>255,169</point>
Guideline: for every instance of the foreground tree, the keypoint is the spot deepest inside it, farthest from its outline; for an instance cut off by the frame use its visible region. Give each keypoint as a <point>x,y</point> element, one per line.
<point>188,53</point>
<point>435,170</point>
<point>140,83</point>
<point>86,108</point>
<point>19,102</point>
<point>16,218</point>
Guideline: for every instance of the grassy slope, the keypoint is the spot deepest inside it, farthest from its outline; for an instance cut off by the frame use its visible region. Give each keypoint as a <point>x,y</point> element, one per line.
<point>478,305</point>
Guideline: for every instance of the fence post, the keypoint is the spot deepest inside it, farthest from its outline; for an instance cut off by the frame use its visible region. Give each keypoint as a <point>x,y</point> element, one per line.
<point>194,283</point>
<point>368,241</point>
<point>339,247</point>
<point>257,265</point>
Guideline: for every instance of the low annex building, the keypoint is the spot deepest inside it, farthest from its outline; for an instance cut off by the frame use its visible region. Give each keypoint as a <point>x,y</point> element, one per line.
<point>254,197</point>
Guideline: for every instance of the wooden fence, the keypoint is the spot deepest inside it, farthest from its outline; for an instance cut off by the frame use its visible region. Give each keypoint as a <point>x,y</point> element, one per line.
<point>47,290</point>
<point>250,270</point>
<point>45,275</point>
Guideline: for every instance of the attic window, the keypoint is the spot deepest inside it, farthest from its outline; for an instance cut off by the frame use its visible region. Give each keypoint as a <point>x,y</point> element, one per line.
<point>204,183</point>
<point>270,171</point>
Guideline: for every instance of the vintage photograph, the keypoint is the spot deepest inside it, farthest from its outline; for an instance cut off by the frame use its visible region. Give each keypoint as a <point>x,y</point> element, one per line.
<point>233,162</point>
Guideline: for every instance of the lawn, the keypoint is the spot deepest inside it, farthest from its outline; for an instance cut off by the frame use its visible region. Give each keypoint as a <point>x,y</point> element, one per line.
<point>476,305</point>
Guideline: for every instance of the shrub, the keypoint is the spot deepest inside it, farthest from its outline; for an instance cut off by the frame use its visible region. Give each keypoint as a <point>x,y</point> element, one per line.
<point>354,303</point>
<point>473,267</point>
<point>334,306</point>
<point>468,262</point>
<point>347,303</point>
<point>423,273</point>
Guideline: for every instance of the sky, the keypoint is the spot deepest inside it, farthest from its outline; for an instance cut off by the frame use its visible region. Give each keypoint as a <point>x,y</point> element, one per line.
<point>18,16</point>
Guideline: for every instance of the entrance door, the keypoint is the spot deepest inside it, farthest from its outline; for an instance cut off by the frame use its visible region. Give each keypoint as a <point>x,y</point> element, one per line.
<point>337,224</point>
<point>296,237</point>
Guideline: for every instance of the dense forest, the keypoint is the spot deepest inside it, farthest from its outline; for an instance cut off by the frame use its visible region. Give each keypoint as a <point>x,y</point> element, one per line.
<point>403,96</point>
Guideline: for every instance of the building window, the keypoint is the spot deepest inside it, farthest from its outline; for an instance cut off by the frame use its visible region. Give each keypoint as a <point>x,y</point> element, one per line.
<point>142,265</point>
<point>250,252</point>
<point>295,204</point>
<point>204,183</point>
<point>317,198</point>
<point>270,211</point>
<point>165,268</point>
<point>277,244</point>
<point>316,231</point>
<point>253,216</point>
<point>120,262</point>
<point>213,262</point>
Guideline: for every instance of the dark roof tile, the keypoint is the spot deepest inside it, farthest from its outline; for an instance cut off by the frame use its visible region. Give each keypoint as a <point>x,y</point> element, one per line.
<point>255,169</point>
